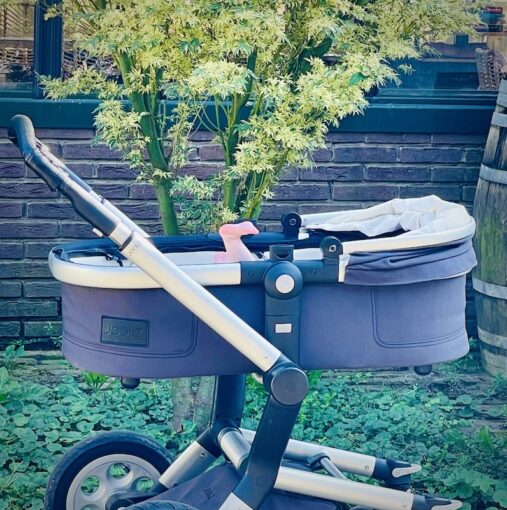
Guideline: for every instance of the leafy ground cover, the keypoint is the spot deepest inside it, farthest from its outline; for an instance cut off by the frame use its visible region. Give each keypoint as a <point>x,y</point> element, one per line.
<point>452,422</point>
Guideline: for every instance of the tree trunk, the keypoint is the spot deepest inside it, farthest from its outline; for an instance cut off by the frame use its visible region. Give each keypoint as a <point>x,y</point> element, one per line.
<point>182,397</point>
<point>203,402</point>
<point>166,207</point>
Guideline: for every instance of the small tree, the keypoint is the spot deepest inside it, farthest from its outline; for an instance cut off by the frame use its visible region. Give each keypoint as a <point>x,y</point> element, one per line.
<point>266,76</point>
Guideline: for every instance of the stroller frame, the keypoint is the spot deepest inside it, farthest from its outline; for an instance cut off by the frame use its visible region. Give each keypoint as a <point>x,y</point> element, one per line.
<point>265,459</point>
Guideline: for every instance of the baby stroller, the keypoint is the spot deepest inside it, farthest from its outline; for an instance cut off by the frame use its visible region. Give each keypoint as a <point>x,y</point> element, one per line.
<point>373,288</point>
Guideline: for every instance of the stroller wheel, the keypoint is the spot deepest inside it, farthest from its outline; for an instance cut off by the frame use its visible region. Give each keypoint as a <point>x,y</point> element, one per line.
<point>104,465</point>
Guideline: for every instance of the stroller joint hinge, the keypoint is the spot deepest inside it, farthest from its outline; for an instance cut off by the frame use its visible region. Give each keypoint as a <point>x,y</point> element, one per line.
<point>287,383</point>
<point>396,474</point>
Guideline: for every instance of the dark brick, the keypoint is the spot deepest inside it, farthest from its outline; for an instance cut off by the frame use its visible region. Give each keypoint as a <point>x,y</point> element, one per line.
<point>364,154</point>
<point>12,169</point>
<point>77,230</point>
<point>272,227</point>
<point>26,269</point>
<point>25,190</point>
<point>65,134</point>
<point>78,150</point>
<point>474,155</point>
<point>302,192</point>
<point>42,329</point>
<point>345,137</point>
<point>201,170</point>
<point>10,329</point>
<point>116,171</point>
<point>397,173</point>
<point>364,192</point>
<point>39,249</point>
<point>153,228</point>
<point>332,173</point>
<point>469,193</point>
<point>320,207</point>
<point>456,139</point>
<point>289,174</point>
<point>49,209</point>
<point>20,230</point>
<point>11,250</point>
<point>202,136</point>
<point>142,191</point>
<point>276,211</point>
<point>112,190</point>
<point>84,170</point>
<point>142,210</point>
<point>11,210</point>
<point>10,289</point>
<point>395,138</point>
<point>28,309</point>
<point>212,152</point>
<point>444,192</point>
<point>322,155</point>
<point>41,289</point>
<point>454,174</point>
<point>431,155</point>
<point>9,150</point>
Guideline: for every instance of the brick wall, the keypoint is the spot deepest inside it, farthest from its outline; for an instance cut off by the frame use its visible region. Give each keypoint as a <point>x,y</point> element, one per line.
<point>355,170</point>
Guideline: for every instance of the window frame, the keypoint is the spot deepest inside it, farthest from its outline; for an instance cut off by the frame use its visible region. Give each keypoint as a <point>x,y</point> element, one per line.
<point>390,110</point>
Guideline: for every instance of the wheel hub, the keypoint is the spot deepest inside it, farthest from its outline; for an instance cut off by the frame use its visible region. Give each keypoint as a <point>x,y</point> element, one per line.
<point>107,476</point>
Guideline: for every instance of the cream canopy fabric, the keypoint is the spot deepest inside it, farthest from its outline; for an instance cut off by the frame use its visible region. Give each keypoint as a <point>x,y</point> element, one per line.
<point>417,216</point>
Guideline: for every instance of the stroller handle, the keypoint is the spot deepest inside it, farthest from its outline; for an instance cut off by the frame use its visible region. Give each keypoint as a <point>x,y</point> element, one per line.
<point>37,156</point>
<point>59,177</point>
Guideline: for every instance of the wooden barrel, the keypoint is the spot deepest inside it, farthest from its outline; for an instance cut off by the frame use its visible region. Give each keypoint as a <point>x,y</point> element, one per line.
<point>490,213</point>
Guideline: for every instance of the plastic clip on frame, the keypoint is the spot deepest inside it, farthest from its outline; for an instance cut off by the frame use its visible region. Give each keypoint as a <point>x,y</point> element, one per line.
<point>258,456</point>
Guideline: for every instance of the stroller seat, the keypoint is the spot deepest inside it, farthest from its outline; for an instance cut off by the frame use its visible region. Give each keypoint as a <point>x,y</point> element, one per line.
<point>209,491</point>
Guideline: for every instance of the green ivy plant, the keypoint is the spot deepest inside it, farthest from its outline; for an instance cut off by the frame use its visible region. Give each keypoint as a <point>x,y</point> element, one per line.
<point>267,77</point>
<point>461,457</point>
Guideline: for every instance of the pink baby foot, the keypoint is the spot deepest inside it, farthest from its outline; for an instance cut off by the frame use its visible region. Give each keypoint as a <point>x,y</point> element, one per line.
<point>235,250</point>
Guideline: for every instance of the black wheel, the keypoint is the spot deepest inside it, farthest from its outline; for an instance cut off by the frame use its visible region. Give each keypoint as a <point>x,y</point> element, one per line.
<point>103,465</point>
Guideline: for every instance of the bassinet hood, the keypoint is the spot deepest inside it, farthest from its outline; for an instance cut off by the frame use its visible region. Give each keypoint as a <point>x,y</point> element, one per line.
<point>424,218</point>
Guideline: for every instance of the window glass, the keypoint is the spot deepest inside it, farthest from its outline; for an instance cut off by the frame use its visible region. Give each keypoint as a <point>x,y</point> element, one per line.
<point>74,57</point>
<point>462,62</point>
<point>16,45</point>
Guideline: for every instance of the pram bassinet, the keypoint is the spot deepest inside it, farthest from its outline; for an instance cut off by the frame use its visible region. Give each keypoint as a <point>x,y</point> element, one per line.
<point>396,297</point>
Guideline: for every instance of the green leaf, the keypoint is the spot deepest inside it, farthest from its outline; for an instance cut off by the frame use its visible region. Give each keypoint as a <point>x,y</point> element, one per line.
<point>463,490</point>
<point>465,399</point>
<point>500,497</point>
<point>357,78</point>
<point>20,420</point>
<point>495,412</point>
<point>466,412</point>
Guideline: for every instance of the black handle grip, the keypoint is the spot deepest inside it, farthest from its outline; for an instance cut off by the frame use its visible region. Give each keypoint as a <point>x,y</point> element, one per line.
<point>22,134</point>
<point>58,177</point>
<point>37,156</point>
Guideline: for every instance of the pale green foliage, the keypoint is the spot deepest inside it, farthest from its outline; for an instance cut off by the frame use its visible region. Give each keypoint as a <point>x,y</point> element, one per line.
<point>259,65</point>
<point>200,209</point>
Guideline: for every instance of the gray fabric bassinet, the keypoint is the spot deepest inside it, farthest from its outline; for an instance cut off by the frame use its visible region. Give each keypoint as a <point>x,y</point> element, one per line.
<point>395,301</point>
